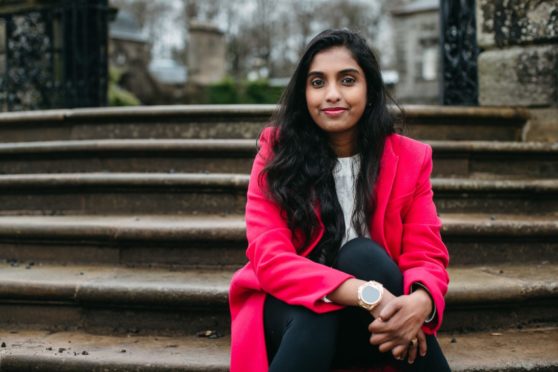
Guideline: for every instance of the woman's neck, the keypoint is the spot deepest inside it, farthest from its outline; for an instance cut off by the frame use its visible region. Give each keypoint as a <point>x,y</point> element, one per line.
<point>344,145</point>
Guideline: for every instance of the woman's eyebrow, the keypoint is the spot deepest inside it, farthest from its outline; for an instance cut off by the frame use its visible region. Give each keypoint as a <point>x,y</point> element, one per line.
<point>349,70</point>
<point>315,73</point>
<point>341,72</point>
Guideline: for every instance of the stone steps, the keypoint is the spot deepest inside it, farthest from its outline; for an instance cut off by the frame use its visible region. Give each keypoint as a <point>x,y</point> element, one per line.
<point>169,302</point>
<point>506,351</point>
<point>209,240</point>
<point>475,159</point>
<point>186,193</point>
<point>69,351</point>
<point>121,228</point>
<point>239,121</point>
<point>145,300</point>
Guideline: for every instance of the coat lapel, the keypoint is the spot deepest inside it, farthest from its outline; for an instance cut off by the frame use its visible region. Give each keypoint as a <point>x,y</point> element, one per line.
<point>384,184</point>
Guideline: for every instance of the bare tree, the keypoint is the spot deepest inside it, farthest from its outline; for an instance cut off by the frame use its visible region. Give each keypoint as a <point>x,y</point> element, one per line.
<point>267,34</point>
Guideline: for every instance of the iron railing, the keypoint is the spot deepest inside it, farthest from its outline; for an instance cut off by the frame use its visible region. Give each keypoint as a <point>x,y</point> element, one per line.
<point>54,56</point>
<point>459,52</point>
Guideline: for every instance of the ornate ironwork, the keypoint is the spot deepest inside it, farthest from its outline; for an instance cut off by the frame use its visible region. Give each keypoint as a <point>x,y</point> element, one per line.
<point>54,56</point>
<point>459,52</point>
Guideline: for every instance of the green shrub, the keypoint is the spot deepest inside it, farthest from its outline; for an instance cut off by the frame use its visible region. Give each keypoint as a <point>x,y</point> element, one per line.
<point>260,91</point>
<point>229,91</point>
<point>223,92</point>
<point>118,96</point>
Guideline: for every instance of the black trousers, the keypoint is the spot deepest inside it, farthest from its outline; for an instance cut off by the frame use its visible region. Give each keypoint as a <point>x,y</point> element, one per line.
<point>297,339</point>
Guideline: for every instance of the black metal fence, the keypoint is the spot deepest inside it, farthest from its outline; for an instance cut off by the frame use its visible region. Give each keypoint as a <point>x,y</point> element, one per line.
<point>54,56</point>
<point>459,51</point>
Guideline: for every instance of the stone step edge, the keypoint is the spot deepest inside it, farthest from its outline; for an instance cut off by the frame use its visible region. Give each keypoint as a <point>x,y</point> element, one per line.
<point>64,351</point>
<point>240,182</point>
<point>79,351</point>
<point>96,179</point>
<point>109,285</point>
<point>512,115</point>
<point>246,146</point>
<point>121,286</point>
<point>232,228</point>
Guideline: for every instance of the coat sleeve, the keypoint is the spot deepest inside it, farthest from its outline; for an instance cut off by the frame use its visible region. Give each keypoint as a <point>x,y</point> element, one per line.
<point>280,270</point>
<point>424,256</point>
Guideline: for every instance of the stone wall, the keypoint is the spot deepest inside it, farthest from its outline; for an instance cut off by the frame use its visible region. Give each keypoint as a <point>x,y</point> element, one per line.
<point>519,62</point>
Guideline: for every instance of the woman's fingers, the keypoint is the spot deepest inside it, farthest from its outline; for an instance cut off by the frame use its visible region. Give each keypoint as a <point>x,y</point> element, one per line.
<point>380,338</point>
<point>390,346</point>
<point>413,348</point>
<point>379,326</point>
<point>390,309</point>
<point>400,351</point>
<point>421,337</point>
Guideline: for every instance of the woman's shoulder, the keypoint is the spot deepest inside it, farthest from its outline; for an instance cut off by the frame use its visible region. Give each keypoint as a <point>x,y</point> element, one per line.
<point>406,147</point>
<point>267,133</point>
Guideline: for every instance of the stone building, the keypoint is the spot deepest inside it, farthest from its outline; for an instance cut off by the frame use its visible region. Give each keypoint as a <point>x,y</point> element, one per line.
<point>153,81</point>
<point>519,62</point>
<point>129,51</point>
<point>416,36</point>
<point>128,44</point>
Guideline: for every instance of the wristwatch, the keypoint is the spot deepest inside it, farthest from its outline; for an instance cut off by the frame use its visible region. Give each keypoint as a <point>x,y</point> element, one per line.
<point>370,295</point>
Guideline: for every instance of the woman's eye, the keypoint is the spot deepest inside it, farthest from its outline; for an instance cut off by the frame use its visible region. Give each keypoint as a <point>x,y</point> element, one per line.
<point>316,83</point>
<point>348,80</point>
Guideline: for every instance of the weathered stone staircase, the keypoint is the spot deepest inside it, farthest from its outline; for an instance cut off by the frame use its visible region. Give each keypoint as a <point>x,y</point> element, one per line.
<point>120,230</point>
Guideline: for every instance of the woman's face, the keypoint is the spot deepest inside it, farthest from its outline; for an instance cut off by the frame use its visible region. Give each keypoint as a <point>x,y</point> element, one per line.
<point>336,96</point>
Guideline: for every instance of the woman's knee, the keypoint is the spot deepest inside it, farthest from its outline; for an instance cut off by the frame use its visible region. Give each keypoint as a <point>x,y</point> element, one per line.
<point>308,326</point>
<point>308,343</point>
<point>297,325</point>
<point>367,260</point>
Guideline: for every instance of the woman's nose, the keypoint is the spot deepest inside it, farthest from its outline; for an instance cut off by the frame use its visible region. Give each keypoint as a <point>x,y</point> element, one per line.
<point>332,94</point>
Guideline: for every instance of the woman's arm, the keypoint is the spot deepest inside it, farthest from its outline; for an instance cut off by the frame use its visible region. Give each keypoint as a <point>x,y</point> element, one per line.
<point>279,267</point>
<point>424,256</point>
<point>423,260</point>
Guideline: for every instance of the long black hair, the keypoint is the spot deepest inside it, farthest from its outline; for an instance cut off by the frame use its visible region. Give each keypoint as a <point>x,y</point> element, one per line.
<point>299,174</point>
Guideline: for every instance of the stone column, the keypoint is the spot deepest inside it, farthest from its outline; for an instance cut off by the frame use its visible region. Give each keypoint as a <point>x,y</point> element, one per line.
<point>206,54</point>
<point>519,62</point>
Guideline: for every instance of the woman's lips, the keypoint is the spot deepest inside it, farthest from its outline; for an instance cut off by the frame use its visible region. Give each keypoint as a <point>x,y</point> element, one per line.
<point>334,111</point>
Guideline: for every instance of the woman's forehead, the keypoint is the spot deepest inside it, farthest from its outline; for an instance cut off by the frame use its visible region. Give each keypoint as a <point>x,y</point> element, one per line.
<point>333,59</point>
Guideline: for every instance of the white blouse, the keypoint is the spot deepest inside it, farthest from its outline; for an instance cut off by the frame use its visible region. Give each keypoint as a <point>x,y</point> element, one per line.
<point>345,173</point>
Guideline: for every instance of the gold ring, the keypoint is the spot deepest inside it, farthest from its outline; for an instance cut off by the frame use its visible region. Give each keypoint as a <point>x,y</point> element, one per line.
<point>414,342</point>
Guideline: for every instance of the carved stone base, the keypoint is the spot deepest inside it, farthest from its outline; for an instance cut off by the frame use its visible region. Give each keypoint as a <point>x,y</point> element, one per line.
<point>542,125</point>
<point>519,76</point>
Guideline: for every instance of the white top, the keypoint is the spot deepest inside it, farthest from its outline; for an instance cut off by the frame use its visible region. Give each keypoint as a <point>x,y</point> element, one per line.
<point>345,173</point>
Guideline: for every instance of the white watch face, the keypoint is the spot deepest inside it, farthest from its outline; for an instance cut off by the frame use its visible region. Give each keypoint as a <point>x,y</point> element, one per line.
<point>370,295</point>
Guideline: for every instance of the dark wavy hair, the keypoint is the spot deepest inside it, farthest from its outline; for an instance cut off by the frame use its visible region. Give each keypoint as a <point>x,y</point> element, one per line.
<point>299,174</point>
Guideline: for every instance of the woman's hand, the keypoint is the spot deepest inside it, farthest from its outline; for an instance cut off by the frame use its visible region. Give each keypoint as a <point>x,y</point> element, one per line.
<point>399,322</point>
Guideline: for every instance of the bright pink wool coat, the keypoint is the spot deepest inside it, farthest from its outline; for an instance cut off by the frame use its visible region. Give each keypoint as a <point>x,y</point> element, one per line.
<point>404,222</point>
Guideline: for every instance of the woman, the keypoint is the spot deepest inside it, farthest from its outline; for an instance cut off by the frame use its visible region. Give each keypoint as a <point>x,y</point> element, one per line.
<point>346,264</point>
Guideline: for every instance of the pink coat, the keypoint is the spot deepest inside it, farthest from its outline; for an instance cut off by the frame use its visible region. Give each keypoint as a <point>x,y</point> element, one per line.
<point>404,222</point>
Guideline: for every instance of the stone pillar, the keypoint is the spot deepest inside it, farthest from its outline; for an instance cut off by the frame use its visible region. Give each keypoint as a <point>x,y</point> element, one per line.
<point>206,54</point>
<point>519,62</point>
